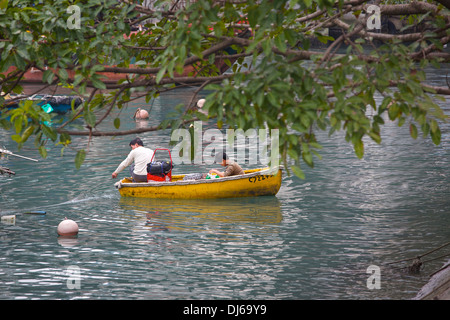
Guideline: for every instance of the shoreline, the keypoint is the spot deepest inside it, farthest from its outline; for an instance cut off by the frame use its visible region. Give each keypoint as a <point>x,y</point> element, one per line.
<point>438,286</point>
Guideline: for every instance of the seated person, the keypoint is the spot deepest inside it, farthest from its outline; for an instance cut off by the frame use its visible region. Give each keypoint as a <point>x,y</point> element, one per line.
<point>232,168</point>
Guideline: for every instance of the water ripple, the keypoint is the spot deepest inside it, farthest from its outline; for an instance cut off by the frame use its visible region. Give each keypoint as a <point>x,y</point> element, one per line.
<point>314,240</point>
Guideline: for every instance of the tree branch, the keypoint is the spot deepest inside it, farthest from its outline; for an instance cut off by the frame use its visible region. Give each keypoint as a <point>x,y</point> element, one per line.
<point>119,133</point>
<point>445,3</point>
<point>415,7</point>
<point>189,61</point>
<point>382,36</point>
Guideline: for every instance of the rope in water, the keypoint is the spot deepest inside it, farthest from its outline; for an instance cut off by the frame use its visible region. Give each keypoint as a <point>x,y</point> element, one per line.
<point>423,255</point>
<point>417,263</point>
<point>4,170</point>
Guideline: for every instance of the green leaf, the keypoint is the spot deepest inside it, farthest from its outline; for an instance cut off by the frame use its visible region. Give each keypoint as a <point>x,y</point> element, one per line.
<point>323,39</point>
<point>393,111</point>
<point>49,132</point>
<point>63,74</point>
<point>375,136</point>
<point>22,52</point>
<point>253,17</point>
<point>18,124</point>
<point>43,152</point>
<point>298,172</point>
<point>425,129</point>
<point>27,105</point>
<point>47,76</point>
<point>3,4</point>
<point>434,125</point>
<point>117,123</point>
<point>307,157</point>
<point>292,153</point>
<point>99,67</point>
<point>19,62</point>
<point>280,42</point>
<point>89,117</point>
<point>27,133</point>
<point>17,138</point>
<point>79,158</point>
<point>160,74</point>
<point>64,138</point>
<point>436,136</point>
<point>413,130</point>
<point>307,3</point>
<point>98,83</point>
<point>359,148</point>
<point>293,3</point>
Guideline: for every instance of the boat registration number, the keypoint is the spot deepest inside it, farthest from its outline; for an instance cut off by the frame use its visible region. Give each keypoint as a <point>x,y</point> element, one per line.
<point>259,178</point>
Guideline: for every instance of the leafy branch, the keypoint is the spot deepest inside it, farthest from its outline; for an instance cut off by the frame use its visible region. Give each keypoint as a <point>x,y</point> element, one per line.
<point>278,79</point>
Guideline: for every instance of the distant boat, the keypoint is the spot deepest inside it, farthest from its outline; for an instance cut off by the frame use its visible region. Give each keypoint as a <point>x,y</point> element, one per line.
<point>34,75</point>
<point>60,104</point>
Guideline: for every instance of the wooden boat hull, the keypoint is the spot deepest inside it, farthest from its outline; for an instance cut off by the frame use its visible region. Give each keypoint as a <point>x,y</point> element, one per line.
<point>256,182</point>
<point>49,103</point>
<point>35,75</point>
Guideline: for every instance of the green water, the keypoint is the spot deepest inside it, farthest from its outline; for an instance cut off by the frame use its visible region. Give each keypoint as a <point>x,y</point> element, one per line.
<point>314,240</point>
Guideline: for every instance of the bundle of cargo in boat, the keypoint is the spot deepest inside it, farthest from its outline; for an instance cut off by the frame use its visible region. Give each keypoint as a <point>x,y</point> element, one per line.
<point>159,170</point>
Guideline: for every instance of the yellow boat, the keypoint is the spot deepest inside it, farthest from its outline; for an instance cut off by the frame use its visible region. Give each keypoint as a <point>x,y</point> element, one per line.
<point>255,182</point>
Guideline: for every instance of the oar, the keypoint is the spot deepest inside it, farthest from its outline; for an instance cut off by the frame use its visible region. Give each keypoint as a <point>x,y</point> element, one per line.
<point>16,155</point>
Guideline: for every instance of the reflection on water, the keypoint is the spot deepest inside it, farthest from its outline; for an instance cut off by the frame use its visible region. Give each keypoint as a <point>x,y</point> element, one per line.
<point>187,215</point>
<point>68,241</point>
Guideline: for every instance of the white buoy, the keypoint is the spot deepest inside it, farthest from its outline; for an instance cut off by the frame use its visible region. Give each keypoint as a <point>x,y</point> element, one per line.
<point>10,219</point>
<point>200,103</point>
<point>68,227</point>
<point>141,114</point>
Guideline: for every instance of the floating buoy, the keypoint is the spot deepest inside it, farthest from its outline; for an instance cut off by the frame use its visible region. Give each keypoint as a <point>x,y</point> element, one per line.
<point>10,219</point>
<point>141,114</point>
<point>200,103</point>
<point>68,227</point>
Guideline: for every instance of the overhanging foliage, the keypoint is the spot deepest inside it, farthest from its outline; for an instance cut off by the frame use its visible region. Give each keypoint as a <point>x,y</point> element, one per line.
<point>280,79</point>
